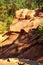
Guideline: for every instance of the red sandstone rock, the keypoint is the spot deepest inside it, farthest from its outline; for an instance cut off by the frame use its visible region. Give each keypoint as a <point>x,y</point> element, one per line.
<point>23,42</point>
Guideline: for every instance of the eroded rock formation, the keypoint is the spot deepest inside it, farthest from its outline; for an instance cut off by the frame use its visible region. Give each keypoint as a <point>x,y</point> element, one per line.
<point>22,41</point>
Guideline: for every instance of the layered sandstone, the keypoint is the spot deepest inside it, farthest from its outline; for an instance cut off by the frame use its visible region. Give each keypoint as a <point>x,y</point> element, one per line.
<point>22,41</point>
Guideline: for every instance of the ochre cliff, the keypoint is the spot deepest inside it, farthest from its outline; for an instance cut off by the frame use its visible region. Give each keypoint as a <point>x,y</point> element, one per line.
<point>22,41</point>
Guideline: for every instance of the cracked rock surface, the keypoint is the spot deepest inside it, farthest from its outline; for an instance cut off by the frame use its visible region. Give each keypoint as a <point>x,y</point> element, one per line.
<point>21,41</point>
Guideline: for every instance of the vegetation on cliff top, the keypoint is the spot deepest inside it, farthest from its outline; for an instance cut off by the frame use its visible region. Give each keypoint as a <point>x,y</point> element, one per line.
<point>8,8</point>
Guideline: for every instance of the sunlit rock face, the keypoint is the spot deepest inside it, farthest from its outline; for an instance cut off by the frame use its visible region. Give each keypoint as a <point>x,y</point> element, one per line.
<point>27,19</point>
<point>12,61</point>
<point>22,41</point>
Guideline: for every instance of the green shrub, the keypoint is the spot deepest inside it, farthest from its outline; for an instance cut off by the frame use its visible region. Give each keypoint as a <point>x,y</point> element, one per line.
<point>2,27</point>
<point>40,30</point>
<point>9,21</point>
<point>5,26</point>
